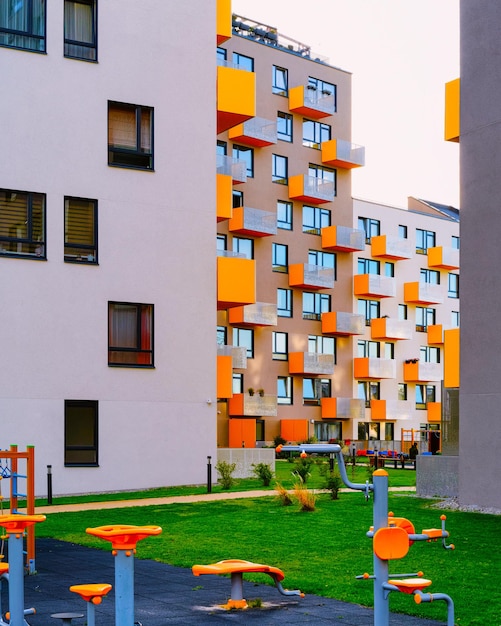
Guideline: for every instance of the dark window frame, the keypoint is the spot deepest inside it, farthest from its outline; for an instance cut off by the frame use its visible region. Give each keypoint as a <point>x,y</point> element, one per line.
<point>285,224</point>
<point>28,35</point>
<point>132,158</point>
<point>287,122</point>
<point>276,88</point>
<point>276,172</point>
<point>287,310</point>
<point>75,448</point>
<point>138,350</point>
<point>92,257</point>
<point>36,237</point>
<point>74,44</point>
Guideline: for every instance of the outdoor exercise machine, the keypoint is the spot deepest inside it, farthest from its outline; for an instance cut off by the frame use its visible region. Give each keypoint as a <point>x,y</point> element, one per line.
<point>123,538</point>
<point>391,537</point>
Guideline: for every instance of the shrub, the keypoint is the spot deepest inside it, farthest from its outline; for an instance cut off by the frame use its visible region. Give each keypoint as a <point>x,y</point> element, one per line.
<point>264,472</point>
<point>302,466</point>
<point>225,471</point>
<point>306,499</point>
<point>333,482</point>
<point>283,495</point>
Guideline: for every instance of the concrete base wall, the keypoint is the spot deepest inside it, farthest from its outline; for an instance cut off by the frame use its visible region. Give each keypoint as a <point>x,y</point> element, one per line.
<point>245,458</point>
<point>437,476</point>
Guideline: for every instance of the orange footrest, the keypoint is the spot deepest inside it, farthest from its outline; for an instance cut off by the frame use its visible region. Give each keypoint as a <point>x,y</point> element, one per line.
<point>410,585</point>
<point>92,593</point>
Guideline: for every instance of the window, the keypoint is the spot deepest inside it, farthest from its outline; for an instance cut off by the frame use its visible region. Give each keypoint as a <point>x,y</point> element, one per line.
<point>221,334</point>
<point>284,215</point>
<point>368,349</point>
<point>237,383</point>
<point>431,277</point>
<point>402,311</point>
<point>260,430</point>
<point>80,230</point>
<point>244,338</point>
<point>221,55</point>
<point>238,198</point>
<point>314,219</point>
<point>368,266</point>
<point>322,345</point>
<point>429,354</point>
<point>221,148</point>
<point>368,390</point>
<point>389,269</point>
<point>80,433</point>
<point>80,29</point>
<point>314,389</point>
<point>455,318</point>
<point>424,394</point>
<point>322,259</point>
<point>324,88</point>
<point>221,243</point>
<point>370,309</point>
<point>455,242</point>
<point>280,342</point>
<point>424,317</point>
<point>284,302</point>
<point>242,153</point>
<point>243,247</point>
<point>130,334</point>
<point>130,136</point>
<point>325,174</point>
<point>22,24</point>
<point>314,133</point>
<point>453,286</point>
<point>402,391</point>
<point>243,62</point>
<point>424,239</point>
<point>22,224</point>
<point>372,228</point>
<point>284,126</point>
<point>402,231</point>
<point>314,304</point>
<point>368,431</point>
<point>279,254</point>
<point>284,390</point>
<point>279,169</point>
<point>280,81</point>
<point>389,350</point>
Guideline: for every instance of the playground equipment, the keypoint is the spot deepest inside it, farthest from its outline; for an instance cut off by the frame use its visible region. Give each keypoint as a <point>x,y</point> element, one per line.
<point>123,540</point>
<point>392,537</point>
<point>93,594</point>
<point>236,568</point>
<point>15,526</point>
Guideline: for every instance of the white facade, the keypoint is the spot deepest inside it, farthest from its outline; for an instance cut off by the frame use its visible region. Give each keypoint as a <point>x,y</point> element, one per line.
<point>156,426</point>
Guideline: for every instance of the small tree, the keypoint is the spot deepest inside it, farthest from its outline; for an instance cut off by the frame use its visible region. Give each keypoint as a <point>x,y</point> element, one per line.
<point>333,482</point>
<point>302,466</point>
<point>225,471</point>
<point>264,472</point>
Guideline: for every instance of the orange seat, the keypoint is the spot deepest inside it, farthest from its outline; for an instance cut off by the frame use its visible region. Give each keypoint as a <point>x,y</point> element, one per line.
<point>231,566</point>
<point>4,568</point>
<point>410,585</point>
<point>92,593</point>
<point>391,543</point>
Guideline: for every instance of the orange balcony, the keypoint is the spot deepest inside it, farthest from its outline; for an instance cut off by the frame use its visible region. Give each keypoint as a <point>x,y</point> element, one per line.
<point>435,335</point>
<point>452,110</point>
<point>394,248</point>
<point>311,363</point>
<point>374,286</point>
<point>312,102</point>
<point>253,222</point>
<point>343,324</point>
<point>242,433</point>
<point>223,21</point>
<point>342,408</point>
<point>423,293</point>
<point>310,189</point>
<point>224,378</point>
<point>378,409</point>
<point>343,239</point>
<point>443,258</point>
<point>224,197</point>
<point>422,372</point>
<point>258,314</point>
<point>340,153</point>
<point>236,169</point>
<point>434,411</point>
<point>308,276</point>
<point>237,354</point>
<point>236,97</point>
<point>374,368</point>
<point>236,282</point>
<point>387,328</point>
<point>257,132</point>
<point>451,358</point>
<point>252,406</point>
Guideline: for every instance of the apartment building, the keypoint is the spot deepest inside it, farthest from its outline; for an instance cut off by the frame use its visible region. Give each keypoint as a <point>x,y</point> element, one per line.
<point>337,328</point>
<point>107,264</point>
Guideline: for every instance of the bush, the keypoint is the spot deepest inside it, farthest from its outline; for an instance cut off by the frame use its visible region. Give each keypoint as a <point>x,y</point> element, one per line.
<point>306,499</point>
<point>302,466</point>
<point>283,495</point>
<point>264,472</point>
<point>332,482</point>
<point>225,471</point>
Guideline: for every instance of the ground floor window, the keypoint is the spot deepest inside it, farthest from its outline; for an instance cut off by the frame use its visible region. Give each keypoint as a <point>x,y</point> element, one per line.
<point>81,433</point>
<point>260,430</point>
<point>369,431</point>
<point>325,431</point>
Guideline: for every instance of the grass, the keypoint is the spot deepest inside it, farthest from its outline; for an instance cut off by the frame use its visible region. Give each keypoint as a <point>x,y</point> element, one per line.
<point>321,551</point>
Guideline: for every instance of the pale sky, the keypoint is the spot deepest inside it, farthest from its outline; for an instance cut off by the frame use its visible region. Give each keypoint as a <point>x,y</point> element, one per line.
<point>401,53</point>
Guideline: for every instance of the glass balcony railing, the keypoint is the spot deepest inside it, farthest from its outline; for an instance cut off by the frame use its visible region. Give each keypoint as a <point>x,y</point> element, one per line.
<point>311,363</point>
<point>253,222</point>
<point>237,353</point>
<point>374,285</point>
<point>257,132</point>
<point>258,314</point>
<point>393,329</point>
<point>373,367</point>
<point>388,247</point>
<point>311,189</point>
<point>341,153</point>
<point>308,276</point>
<point>236,168</point>
<point>343,239</point>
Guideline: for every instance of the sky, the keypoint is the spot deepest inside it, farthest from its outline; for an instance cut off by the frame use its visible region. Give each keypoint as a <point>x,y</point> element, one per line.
<point>400,53</point>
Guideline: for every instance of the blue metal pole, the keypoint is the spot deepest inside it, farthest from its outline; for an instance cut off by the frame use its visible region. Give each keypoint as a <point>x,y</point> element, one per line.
<point>16,579</point>
<point>91,614</point>
<point>124,588</point>
<point>381,601</point>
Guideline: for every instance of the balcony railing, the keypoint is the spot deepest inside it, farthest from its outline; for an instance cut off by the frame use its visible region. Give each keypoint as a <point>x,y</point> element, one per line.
<point>388,247</point>
<point>340,153</point>
<point>258,314</point>
<point>341,323</point>
<point>373,367</point>
<point>374,286</point>
<point>236,168</point>
<point>311,363</point>
<point>343,239</point>
<point>253,222</point>
<point>308,276</point>
<point>310,101</point>
<point>237,353</point>
<point>421,371</point>
<point>311,189</point>
<point>342,408</point>
<point>423,293</point>
<point>256,132</point>
<point>443,257</point>
<point>253,406</point>
<point>384,328</point>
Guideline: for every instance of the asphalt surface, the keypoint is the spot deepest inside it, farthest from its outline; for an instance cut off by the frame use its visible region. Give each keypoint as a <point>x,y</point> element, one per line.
<point>167,595</point>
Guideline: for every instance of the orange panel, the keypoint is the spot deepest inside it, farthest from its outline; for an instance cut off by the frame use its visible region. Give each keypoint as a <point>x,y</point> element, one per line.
<point>378,409</point>
<point>435,335</point>
<point>236,404</point>
<point>296,362</point>
<point>452,125</point>
<point>223,20</point>
<point>236,282</point>
<point>434,411</point>
<point>242,433</point>
<point>224,197</point>
<point>224,376</point>
<point>296,275</point>
<point>361,367</point>
<point>294,430</point>
<point>329,408</point>
<point>451,357</point>
<point>236,97</point>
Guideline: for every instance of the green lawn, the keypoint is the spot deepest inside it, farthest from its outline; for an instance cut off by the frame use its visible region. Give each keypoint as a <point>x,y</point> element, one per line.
<point>320,552</point>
